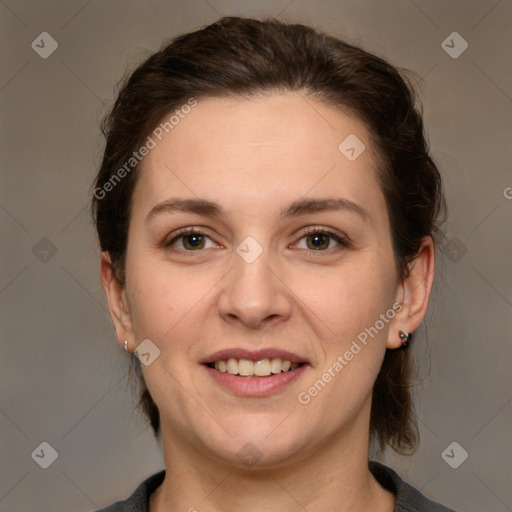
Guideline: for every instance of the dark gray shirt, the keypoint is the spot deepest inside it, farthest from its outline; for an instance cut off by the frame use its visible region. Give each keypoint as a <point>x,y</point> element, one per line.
<point>408,499</point>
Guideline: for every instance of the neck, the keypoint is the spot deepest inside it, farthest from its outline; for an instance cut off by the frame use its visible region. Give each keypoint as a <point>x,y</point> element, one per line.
<point>334,476</point>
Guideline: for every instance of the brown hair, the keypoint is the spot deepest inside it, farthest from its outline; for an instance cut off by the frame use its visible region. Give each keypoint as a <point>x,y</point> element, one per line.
<point>242,56</point>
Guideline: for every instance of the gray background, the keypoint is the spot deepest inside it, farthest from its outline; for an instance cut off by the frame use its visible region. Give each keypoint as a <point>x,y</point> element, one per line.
<point>62,375</point>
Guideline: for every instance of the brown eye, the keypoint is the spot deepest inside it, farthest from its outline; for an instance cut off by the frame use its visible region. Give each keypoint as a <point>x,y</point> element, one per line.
<point>194,241</point>
<point>321,240</point>
<point>189,240</point>
<point>318,241</point>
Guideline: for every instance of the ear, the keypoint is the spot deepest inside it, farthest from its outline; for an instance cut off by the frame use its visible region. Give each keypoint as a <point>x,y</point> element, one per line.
<point>413,294</point>
<point>117,302</point>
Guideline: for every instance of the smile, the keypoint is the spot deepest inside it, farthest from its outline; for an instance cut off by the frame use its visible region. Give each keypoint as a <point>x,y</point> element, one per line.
<point>259,368</point>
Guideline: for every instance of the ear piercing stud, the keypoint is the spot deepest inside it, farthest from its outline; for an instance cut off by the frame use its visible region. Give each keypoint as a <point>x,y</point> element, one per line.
<point>126,345</point>
<point>404,337</point>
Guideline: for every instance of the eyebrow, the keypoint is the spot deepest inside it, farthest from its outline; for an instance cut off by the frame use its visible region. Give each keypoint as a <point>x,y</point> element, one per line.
<point>295,209</point>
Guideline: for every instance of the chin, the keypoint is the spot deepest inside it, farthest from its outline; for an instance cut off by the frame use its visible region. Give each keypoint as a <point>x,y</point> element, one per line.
<point>258,444</point>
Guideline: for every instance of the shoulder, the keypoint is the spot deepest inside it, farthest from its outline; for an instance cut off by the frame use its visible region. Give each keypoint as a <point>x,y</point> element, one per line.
<point>138,501</point>
<point>408,498</point>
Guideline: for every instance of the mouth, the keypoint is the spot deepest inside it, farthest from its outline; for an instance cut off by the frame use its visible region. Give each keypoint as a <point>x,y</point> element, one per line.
<point>255,373</point>
<point>264,367</point>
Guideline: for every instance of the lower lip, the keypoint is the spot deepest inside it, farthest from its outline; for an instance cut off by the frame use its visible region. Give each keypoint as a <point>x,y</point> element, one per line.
<point>255,386</point>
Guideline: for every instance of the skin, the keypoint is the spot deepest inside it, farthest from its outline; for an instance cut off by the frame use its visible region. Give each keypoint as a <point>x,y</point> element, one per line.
<point>254,157</point>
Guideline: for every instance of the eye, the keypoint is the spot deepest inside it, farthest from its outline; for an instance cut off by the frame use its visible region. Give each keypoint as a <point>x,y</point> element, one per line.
<point>190,239</point>
<point>319,239</point>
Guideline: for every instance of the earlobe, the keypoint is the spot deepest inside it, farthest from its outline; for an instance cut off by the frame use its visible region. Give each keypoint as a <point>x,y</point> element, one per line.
<point>116,297</point>
<point>413,295</point>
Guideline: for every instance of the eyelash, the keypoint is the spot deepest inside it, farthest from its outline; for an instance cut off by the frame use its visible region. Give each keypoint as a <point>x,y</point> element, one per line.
<point>342,240</point>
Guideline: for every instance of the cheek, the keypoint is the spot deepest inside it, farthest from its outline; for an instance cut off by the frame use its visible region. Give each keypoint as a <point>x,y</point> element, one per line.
<point>172,305</point>
<point>167,306</point>
<point>348,299</point>
<point>151,305</point>
<point>348,310</point>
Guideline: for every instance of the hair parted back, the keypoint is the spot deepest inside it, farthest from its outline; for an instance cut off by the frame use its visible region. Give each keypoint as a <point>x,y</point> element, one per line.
<point>245,57</point>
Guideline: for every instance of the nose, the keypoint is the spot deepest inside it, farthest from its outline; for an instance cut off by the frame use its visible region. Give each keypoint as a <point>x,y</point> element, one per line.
<point>254,293</point>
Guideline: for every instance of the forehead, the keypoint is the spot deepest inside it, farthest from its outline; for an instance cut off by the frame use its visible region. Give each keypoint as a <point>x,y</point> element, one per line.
<point>261,148</point>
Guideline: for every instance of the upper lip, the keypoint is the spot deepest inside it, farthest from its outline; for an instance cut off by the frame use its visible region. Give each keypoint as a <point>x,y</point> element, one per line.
<point>253,355</point>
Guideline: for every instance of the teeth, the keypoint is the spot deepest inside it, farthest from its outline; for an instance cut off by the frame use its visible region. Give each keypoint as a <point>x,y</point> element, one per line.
<point>232,366</point>
<point>275,365</point>
<point>245,367</point>
<point>260,368</point>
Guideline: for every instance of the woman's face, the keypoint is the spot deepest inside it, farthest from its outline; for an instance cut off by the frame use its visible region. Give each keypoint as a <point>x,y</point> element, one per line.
<point>288,260</point>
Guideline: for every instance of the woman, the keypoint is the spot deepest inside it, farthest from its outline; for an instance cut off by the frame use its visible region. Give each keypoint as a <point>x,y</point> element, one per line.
<point>267,212</point>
